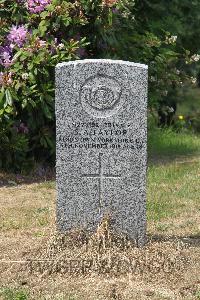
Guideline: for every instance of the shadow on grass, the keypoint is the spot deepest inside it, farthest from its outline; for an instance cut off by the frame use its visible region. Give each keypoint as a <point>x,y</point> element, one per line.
<point>191,240</point>
<point>11,180</point>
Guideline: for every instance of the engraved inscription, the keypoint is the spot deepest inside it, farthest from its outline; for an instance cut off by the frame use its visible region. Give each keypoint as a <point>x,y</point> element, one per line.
<point>108,135</point>
<point>101,96</point>
<point>101,176</point>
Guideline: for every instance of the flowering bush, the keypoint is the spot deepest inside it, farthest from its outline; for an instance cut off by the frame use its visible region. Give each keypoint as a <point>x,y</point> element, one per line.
<point>35,36</point>
<point>17,36</point>
<point>38,34</point>
<point>37,6</point>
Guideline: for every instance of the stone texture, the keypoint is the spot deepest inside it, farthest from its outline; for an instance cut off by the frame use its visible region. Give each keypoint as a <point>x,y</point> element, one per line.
<point>101,115</point>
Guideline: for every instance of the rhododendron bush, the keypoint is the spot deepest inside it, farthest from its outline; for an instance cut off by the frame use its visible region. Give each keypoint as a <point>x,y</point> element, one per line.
<point>38,34</point>
<point>35,36</point>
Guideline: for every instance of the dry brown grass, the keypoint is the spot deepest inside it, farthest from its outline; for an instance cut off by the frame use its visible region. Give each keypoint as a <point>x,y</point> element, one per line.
<point>99,266</point>
<point>86,268</point>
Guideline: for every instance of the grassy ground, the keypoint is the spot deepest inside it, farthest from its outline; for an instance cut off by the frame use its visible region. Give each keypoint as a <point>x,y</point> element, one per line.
<point>106,267</point>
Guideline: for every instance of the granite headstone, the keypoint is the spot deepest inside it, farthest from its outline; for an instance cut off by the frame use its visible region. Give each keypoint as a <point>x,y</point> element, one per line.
<point>101,116</point>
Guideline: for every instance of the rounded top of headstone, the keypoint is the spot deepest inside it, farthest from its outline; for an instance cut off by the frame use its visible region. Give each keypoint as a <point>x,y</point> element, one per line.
<point>102,85</point>
<point>105,61</point>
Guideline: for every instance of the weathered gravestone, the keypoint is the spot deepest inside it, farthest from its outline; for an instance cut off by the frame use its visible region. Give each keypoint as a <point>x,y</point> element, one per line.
<point>101,112</point>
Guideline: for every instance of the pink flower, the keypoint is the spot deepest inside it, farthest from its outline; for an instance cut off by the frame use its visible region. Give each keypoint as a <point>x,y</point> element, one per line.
<point>37,6</point>
<point>42,43</point>
<point>18,35</point>
<point>1,78</point>
<point>23,128</point>
<point>5,56</point>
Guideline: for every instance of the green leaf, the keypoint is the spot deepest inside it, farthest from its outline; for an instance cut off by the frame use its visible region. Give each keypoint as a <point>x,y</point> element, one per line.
<point>32,102</point>
<point>46,111</point>
<point>43,142</point>
<point>50,8</point>
<point>17,86</point>
<point>33,87</point>
<point>170,53</point>
<point>43,27</point>
<point>9,109</point>
<point>2,95</point>
<point>24,103</point>
<point>49,142</point>
<point>110,17</point>
<point>8,98</point>
<point>66,20</point>
<point>44,14</point>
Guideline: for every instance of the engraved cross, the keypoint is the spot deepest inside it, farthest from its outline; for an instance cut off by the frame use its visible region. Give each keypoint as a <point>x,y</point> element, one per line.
<point>101,176</point>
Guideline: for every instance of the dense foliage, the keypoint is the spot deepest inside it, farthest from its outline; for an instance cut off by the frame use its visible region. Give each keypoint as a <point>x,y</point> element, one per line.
<point>37,34</point>
<point>181,19</point>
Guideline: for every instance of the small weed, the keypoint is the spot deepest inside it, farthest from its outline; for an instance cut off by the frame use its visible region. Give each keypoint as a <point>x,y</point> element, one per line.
<point>43,221</point>
<point>47,185</point>
<point>197,295</point>
<point>72,297</point>
<point>13,294</point>
<point>42,209</point>
<point>39,234</point>
<point>188,223</point>
<point>162,227</point>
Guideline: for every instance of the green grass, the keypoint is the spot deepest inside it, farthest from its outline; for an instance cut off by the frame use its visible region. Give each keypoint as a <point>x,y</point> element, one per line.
<point>9,293</point>
<point>47,185</point>
<point>197,295</point>
<point>173,186</point>
<point>13,294</point>
<point>166,144</point>
<point>25,217</point>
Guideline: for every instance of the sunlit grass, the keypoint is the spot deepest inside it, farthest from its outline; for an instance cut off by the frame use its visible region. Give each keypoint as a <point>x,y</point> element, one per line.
<point>172,188</point>
<point>13,294</point>
<point>166,143</point>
